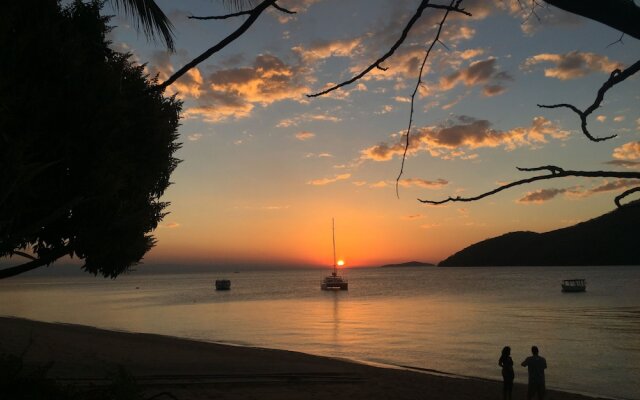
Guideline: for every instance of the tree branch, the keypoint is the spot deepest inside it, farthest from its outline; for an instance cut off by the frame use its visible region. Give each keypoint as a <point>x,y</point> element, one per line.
<point>47,259</point>
<point>253,16</point>
<point>435,40</point>
<point>284,10</point>
<point>424,4</point>
<point>616,77</point>
<point>625,194</point>
<point>236,14</point>
<point>554,172</point>
<point>622,15</point>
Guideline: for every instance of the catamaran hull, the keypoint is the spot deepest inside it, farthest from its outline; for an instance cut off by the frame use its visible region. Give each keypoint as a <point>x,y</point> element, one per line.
<point>334,286</point>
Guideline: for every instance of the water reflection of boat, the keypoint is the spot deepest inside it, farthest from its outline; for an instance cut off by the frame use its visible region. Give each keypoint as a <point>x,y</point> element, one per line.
<point>334,281</point>
<point>574,285</point>
<point>223,284</point>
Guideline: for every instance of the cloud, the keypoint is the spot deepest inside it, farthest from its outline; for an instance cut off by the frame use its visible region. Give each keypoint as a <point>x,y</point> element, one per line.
<point>318,155</point>
<point>379,185</point>
<point>305,135</point>
<point>541,195</point>
<point>571,65</point>
<point>628,151</point>
<point>384,109</point>
<point>608,186</point>
<point>170,225</point>
<point>624,163</point>
<point>423,183</point>
<point>194,137</point>
<point>477,73</point>
<point>455,138</point>
<point>601,118</point>
<point>233,93</point>
<point>413,217</point>
<point>618,118</point>
<point>326,181</point>
<point>324,49</point>
<point>295,121</point>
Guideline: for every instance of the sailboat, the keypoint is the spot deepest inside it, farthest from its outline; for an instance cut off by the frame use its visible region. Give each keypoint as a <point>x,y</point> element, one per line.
<point>334,281</point>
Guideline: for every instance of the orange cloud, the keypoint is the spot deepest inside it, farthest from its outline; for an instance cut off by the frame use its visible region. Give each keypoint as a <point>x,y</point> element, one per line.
<point>234,92</point>
<point>423,183</point>
<point>452,139</point>
<point>305,135</point>
<point>571,65</point>
<point>628,151</point>
<point>326,181</point>
<point>321,50</point>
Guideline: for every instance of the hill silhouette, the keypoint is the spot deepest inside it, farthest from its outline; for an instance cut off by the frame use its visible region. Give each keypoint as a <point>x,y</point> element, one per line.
<point>610,239</point>
<point>408,264</point>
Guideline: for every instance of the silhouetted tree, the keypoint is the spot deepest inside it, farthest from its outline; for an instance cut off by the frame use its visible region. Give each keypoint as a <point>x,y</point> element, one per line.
<point>86,141</point>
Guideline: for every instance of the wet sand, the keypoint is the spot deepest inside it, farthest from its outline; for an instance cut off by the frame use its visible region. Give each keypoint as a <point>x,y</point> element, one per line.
<point>195,370</point>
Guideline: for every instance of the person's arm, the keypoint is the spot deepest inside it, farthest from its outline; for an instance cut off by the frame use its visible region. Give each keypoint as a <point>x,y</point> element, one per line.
<point>544,363</point>
<point>525,362</point>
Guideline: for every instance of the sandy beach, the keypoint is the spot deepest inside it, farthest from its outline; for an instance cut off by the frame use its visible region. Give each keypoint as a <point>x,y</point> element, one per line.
<point>198,370</point>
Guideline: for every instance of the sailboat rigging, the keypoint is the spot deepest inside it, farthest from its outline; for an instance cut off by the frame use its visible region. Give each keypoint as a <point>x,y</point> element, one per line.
<point>334,281</point>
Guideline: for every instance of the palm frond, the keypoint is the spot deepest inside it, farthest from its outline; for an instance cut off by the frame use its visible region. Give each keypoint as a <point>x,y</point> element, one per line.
<point>149,18</point>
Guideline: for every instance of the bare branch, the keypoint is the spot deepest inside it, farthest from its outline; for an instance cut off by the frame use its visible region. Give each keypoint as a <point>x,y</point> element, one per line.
<point>625,194</point>
<point>236,14</point>
<point>454,4</point>
<point>617,41</point>
<point>554,172</point>
<point>616,77</point>
<point>284,10</point>
<point>253,16</point>
<point>423,4</point>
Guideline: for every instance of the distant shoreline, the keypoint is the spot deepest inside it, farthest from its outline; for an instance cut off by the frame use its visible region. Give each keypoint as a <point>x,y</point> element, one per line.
<point>200,370</point>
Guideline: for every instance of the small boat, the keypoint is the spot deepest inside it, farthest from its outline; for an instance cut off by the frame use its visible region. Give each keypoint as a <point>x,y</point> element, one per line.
<point>574,285</point>
<point>223,284</point>
<point>334,281</point>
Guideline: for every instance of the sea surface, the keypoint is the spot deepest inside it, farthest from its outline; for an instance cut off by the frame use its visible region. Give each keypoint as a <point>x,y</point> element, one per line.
<point>453,320</point>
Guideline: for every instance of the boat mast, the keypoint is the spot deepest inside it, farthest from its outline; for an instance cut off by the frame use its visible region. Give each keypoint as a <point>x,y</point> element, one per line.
<point>333,231</point>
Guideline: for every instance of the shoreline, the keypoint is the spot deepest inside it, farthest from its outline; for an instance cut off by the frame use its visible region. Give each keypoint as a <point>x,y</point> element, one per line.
<point>193,369</point>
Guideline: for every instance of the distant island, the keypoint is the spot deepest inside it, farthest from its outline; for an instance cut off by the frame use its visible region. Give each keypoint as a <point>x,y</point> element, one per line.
<point>408,264</point>
<point>610,239</point>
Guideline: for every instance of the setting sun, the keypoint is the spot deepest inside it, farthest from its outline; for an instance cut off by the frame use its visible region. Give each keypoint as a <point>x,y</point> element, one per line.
<point>340,262</point>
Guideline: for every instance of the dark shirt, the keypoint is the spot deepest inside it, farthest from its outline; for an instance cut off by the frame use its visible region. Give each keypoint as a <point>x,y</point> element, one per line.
<point>536,365</point>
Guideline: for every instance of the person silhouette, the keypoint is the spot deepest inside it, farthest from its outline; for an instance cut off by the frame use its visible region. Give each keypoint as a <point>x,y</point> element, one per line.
<point>536,366</point>
<point>508,375</point>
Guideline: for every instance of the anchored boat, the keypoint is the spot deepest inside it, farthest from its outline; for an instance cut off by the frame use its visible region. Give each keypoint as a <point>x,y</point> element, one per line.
<point>223,284</point>
<point>574,285</point>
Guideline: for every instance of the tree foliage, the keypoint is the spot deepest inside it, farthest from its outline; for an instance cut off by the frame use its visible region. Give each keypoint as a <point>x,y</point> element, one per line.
<point>86,141</point>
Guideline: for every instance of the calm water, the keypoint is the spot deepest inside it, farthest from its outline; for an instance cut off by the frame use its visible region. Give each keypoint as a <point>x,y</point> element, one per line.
<point>452,320</point>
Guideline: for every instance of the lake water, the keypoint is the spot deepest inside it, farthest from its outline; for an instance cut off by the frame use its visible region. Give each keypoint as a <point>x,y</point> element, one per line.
<point>454,320</point>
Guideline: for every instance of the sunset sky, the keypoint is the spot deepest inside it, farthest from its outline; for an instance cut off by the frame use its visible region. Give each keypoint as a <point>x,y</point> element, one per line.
<point>265,168</point>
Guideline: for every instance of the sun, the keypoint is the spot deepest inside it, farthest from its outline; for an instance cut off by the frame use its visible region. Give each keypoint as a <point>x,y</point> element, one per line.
<point>340,262</point>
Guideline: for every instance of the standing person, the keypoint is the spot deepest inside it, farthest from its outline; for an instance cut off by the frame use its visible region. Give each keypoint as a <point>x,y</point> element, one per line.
<point>536,365</point>
<point>508,375</point>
